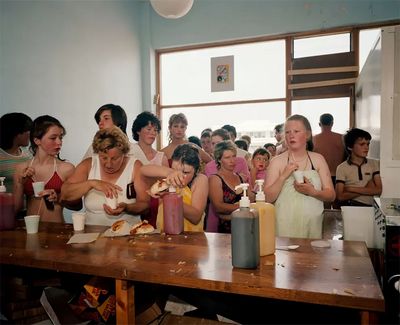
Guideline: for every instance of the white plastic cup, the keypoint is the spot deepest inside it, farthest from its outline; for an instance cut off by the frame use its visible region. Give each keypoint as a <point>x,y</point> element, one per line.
<point>112,202</point>
<point>32,224</point>
<point>298,176</point>
<point>37,187</point>
<point>78,220</point>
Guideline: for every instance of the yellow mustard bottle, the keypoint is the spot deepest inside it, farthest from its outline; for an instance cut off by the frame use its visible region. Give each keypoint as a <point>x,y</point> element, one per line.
<point>266,214</point>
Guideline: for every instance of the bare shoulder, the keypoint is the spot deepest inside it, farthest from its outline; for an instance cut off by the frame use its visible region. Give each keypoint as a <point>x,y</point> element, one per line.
<point>200,182</point>
<point>317,158</point>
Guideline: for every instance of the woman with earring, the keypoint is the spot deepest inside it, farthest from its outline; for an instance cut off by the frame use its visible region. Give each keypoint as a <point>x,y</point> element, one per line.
<point>299,204</point>
<point>46,139</point>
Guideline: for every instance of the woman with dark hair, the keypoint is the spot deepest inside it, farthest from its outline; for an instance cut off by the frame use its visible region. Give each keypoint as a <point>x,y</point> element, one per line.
<point>193,186</point>
<point>145,129</point>
<point>107,116</point>
<point>14,138</point>
<point>46,141</point>
<point>299,204</point>
<point>111,113</point>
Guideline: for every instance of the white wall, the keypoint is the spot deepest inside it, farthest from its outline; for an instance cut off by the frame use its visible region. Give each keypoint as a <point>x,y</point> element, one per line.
<point>377,109</point>
<point>66,59</point>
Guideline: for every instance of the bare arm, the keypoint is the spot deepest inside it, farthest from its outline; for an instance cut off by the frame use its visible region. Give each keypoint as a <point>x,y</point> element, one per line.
<point>141,187</point>
<point>22,171</point>
<point>78,184</point>
<point>343,195</point>
<point>373,187</point>
<point>216,196</point>
<point>195,211</point>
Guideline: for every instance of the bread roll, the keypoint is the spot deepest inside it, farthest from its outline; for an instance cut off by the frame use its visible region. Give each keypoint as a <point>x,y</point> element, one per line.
<point>120,226</point>
<point>142,228</point>
<point>158,187</point>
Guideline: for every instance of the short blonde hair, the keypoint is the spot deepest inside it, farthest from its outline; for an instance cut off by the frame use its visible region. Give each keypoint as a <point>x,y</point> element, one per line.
<point>109,138</point>
<point>220,148</point>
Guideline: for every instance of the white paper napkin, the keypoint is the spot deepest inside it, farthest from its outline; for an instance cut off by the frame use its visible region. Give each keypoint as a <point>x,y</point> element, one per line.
<point>83,238</point>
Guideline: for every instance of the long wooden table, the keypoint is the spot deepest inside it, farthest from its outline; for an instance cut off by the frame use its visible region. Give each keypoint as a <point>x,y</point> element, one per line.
<point>341,275</point>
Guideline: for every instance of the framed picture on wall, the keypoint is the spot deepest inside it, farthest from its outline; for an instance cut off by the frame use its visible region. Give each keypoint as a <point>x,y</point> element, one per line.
<point>222,73</point>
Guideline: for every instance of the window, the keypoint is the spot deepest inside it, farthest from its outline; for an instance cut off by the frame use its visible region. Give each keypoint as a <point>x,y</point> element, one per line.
<point>259,74</point>
<point>314,108</point>
<point>368,38</point>
<point>313,46</point>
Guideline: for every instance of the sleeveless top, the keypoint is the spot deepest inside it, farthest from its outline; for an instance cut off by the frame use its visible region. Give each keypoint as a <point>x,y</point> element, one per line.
<point>138,153</point>
<point>299,215</point>
<point>94,199</point>
<point>54,182</point>
<point>186,193</point>
<point>228,196</point>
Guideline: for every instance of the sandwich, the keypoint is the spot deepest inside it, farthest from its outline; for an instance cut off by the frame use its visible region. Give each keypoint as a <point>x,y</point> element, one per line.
<point>142,228</point>
<point>120,227</point>
<point>158,187</point>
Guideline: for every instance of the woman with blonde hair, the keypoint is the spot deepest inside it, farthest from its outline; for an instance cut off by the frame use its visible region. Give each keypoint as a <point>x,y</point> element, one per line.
<point>223,197</point>
<point>299,204</point>
<point>177,126</point>
<point>109,173</point>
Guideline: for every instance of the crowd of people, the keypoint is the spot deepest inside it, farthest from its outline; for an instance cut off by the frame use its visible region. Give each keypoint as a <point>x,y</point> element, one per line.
<point>205,169</point>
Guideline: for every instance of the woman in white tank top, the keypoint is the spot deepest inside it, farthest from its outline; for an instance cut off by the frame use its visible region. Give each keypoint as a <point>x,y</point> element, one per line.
<point>110,173</point>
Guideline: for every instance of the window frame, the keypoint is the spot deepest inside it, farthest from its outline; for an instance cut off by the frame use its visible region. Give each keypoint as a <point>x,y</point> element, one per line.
<point>289,42</point>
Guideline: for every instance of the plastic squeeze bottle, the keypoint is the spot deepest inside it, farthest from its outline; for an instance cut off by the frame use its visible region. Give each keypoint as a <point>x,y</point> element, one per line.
<point>7,215</point>
<point>245,234</point>
<point>266,215</point>
<point>173,212</point>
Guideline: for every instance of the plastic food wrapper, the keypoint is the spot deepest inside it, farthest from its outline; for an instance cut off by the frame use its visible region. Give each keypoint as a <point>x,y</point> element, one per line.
<point>96,301</point>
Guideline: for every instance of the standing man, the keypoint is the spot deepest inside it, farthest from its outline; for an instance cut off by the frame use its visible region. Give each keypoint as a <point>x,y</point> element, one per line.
<point>329,144</point>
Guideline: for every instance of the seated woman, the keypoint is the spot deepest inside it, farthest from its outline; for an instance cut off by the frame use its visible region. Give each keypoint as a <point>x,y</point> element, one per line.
<point>177,126</point>
<point>109,173</point>
<point>224,199</point>
<point>299,205</point>
<point>184,174</point>
<point>46,141</point>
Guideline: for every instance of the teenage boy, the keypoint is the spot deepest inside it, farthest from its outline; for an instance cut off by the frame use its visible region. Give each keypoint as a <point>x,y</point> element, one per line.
<point>357,178</point>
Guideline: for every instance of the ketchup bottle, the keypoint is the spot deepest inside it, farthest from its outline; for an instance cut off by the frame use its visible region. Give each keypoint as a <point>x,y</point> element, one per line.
<point>7,214</point>
<point>173,212</point>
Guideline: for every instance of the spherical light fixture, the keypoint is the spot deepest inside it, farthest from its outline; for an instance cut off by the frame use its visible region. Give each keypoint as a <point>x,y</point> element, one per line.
<point>172,9</point>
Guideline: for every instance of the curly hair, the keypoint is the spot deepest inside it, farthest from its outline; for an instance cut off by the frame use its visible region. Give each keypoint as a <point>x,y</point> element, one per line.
<point>110,138</point>
<point>352,135</point>
<point>142,120</point>
<point>220,148</point>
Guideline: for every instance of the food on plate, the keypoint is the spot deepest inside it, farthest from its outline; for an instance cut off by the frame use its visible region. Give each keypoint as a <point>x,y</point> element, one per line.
<point>142,228</point>
<point>120,226</point>
<point>158,187</point>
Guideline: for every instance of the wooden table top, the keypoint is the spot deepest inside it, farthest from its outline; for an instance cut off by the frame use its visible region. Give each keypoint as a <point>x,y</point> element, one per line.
<point>341,275</point>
